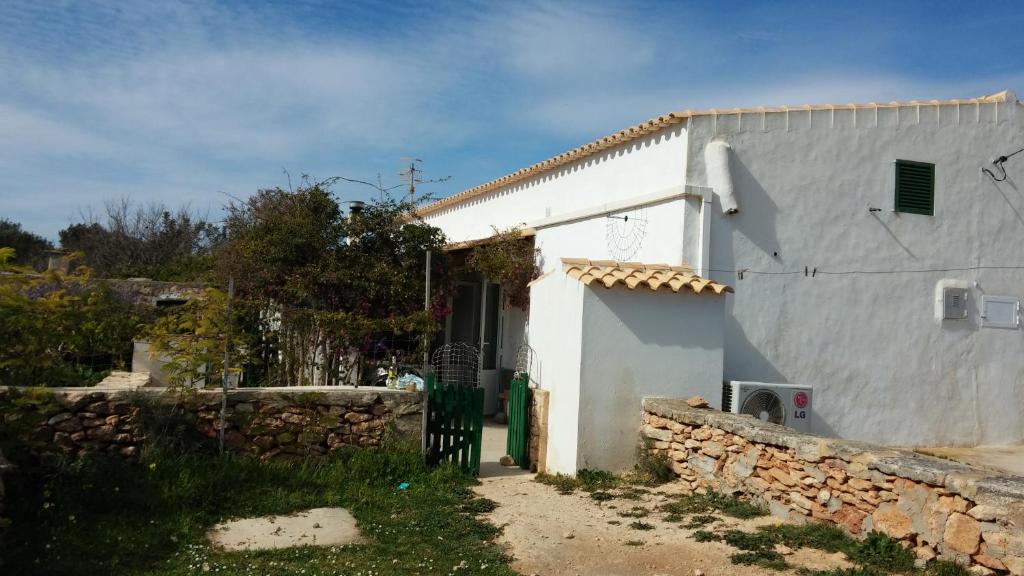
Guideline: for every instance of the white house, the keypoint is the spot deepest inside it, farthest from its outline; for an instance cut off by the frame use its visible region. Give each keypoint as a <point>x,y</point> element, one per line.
<point>838,227</point>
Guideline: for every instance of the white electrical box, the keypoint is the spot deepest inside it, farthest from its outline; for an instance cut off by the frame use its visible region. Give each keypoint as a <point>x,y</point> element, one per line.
<point>1000,311</point>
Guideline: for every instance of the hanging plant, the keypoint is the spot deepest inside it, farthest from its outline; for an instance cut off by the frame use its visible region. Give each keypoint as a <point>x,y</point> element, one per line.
<point>510,260</point>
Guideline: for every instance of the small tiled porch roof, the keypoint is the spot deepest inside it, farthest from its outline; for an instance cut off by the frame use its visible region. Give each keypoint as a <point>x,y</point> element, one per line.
<point>634,274</point>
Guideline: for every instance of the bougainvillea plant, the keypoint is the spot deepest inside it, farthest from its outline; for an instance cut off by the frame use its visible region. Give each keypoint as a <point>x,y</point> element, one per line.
<point>509,259</point>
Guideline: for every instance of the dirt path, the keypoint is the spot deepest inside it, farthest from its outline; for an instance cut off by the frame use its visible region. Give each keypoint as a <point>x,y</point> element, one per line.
<point>548,533</point>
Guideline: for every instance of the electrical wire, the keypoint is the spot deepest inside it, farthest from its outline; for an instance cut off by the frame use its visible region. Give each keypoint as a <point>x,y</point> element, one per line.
<point>815,271</point>
<point>998,163</point>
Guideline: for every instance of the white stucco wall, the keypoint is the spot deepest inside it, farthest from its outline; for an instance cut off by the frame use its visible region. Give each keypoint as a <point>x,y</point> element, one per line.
<point>556,322</point>
<point>640,343</point>
<point>883,368</point>
<point>643,166</point>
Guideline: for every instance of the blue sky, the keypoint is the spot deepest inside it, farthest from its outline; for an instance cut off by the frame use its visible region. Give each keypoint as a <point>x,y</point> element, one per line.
<point>195,101</point>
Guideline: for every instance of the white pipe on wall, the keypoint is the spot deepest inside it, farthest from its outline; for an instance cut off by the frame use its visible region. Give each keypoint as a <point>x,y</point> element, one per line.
<point>705,237</point>
<point>719,175</point>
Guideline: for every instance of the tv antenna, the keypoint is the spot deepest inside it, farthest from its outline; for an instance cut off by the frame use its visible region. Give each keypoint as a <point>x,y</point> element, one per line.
<point>413,175</point>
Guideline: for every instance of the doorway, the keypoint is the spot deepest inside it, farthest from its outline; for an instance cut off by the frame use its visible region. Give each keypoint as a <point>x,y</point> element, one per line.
<point>476,320</point>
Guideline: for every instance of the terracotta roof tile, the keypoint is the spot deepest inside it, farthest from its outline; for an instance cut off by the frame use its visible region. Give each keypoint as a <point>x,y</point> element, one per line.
<point>659,122</point>
<point>635,274</point>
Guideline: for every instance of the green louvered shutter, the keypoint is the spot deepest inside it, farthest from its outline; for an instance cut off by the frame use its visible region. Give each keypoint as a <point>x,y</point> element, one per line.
<point>915,187</point>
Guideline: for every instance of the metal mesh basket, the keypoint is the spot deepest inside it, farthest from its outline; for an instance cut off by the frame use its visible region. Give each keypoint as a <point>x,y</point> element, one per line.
<point>457,364</point>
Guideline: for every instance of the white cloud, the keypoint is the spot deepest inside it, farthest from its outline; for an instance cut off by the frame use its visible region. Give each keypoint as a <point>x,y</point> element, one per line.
<point>179,100</point>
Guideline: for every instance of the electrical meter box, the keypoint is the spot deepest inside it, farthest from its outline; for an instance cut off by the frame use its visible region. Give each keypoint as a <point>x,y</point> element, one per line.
<point>954,303</point>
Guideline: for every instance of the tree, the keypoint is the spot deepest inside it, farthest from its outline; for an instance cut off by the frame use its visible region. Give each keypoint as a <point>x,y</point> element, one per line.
<point>144,240</point>
<point>30,249</point>
<point>61,329</point>
<point>320,288</point>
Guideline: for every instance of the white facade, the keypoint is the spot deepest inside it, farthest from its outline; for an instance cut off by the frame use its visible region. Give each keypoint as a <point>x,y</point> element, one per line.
<point>601,351</point>
<point>862,328</point>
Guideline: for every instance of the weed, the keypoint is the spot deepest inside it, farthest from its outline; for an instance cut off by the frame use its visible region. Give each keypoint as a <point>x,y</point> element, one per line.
<point>564,483</point>
<point>673,518</point>
<point>635,512</point>
<point>592,480</point>
<point>706,536</point>
<point>700,520</point>
<point>601,496</point>
<point>713,502</point>
<point>632,493</point>
<point>854,571</point>
<point>883,552</point>
<point>946,568</point>
<point>638,525</point>
<point>827,537</point>
<point>634,542</point>
<point>615,522</point>
<point>764,558</point>
<point>586,480</point>
<point>479,506</point>
<point>651,469</point>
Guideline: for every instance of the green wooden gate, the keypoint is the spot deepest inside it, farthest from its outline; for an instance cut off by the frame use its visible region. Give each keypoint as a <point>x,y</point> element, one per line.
<point>455,423</point>
<point>518,446</point>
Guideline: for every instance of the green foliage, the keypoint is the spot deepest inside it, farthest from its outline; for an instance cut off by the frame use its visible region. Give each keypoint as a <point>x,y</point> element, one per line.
<point>698,503</point>
<point>875,554</point>
<point>103,516</point>
<point>510,260</point>
<point>706,536</point>
<point>150,241</point>
<point>319,291</point>
<point>586,480</point>
<point>881,551</point>
<point>190,339</point>
<point>601,496</point>
<point>701,520</point>
<point>63,330</point>
<point>651,469</point>
<point>30,250</point>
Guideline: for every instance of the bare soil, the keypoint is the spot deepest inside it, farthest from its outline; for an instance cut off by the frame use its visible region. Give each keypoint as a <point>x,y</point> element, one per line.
<point>316,527</point>
<point>548,533</point>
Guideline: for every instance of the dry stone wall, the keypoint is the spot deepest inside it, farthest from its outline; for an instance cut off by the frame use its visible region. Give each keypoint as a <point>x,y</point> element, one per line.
<point>284,423</point>
<point>937,507</point>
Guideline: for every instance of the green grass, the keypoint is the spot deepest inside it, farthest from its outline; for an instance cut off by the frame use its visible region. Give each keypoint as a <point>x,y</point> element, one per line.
<point>585,480</point>
<point>875,554</point>
<point>103,516</point>
<point>713,502</point>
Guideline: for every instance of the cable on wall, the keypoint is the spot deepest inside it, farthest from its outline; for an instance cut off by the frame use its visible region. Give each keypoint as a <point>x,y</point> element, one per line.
<point>998,163</point>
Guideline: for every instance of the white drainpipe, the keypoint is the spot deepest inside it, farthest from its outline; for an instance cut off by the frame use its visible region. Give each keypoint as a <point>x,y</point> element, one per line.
<point>704,263</point>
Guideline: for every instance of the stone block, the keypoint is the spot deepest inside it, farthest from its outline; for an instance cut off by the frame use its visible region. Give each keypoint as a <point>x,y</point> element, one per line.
<point>963,533</point>
<point>782,476</point>
<point>649,431</point>
<point>712,449</point>
<point>888,518</point>
<point>850,518</point>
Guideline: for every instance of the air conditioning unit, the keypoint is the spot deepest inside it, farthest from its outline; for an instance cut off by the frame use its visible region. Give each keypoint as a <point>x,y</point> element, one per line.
<point>785,404</point>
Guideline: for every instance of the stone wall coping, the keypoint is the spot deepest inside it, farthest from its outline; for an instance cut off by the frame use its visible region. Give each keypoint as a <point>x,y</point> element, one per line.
<point>981,485</point>
<point>324,394</point>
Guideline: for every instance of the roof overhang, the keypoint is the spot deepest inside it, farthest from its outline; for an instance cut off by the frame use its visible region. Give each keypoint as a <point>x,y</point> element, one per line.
<point>467,244</point>
<point>633,275</point>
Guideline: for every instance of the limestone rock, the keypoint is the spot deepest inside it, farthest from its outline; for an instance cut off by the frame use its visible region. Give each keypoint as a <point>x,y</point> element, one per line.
<point>890,520</point>
<point>963,533</point>
<point>696,402</point>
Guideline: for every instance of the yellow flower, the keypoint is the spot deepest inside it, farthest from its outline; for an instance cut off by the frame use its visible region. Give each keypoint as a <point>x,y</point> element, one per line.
<point>152,466</point>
